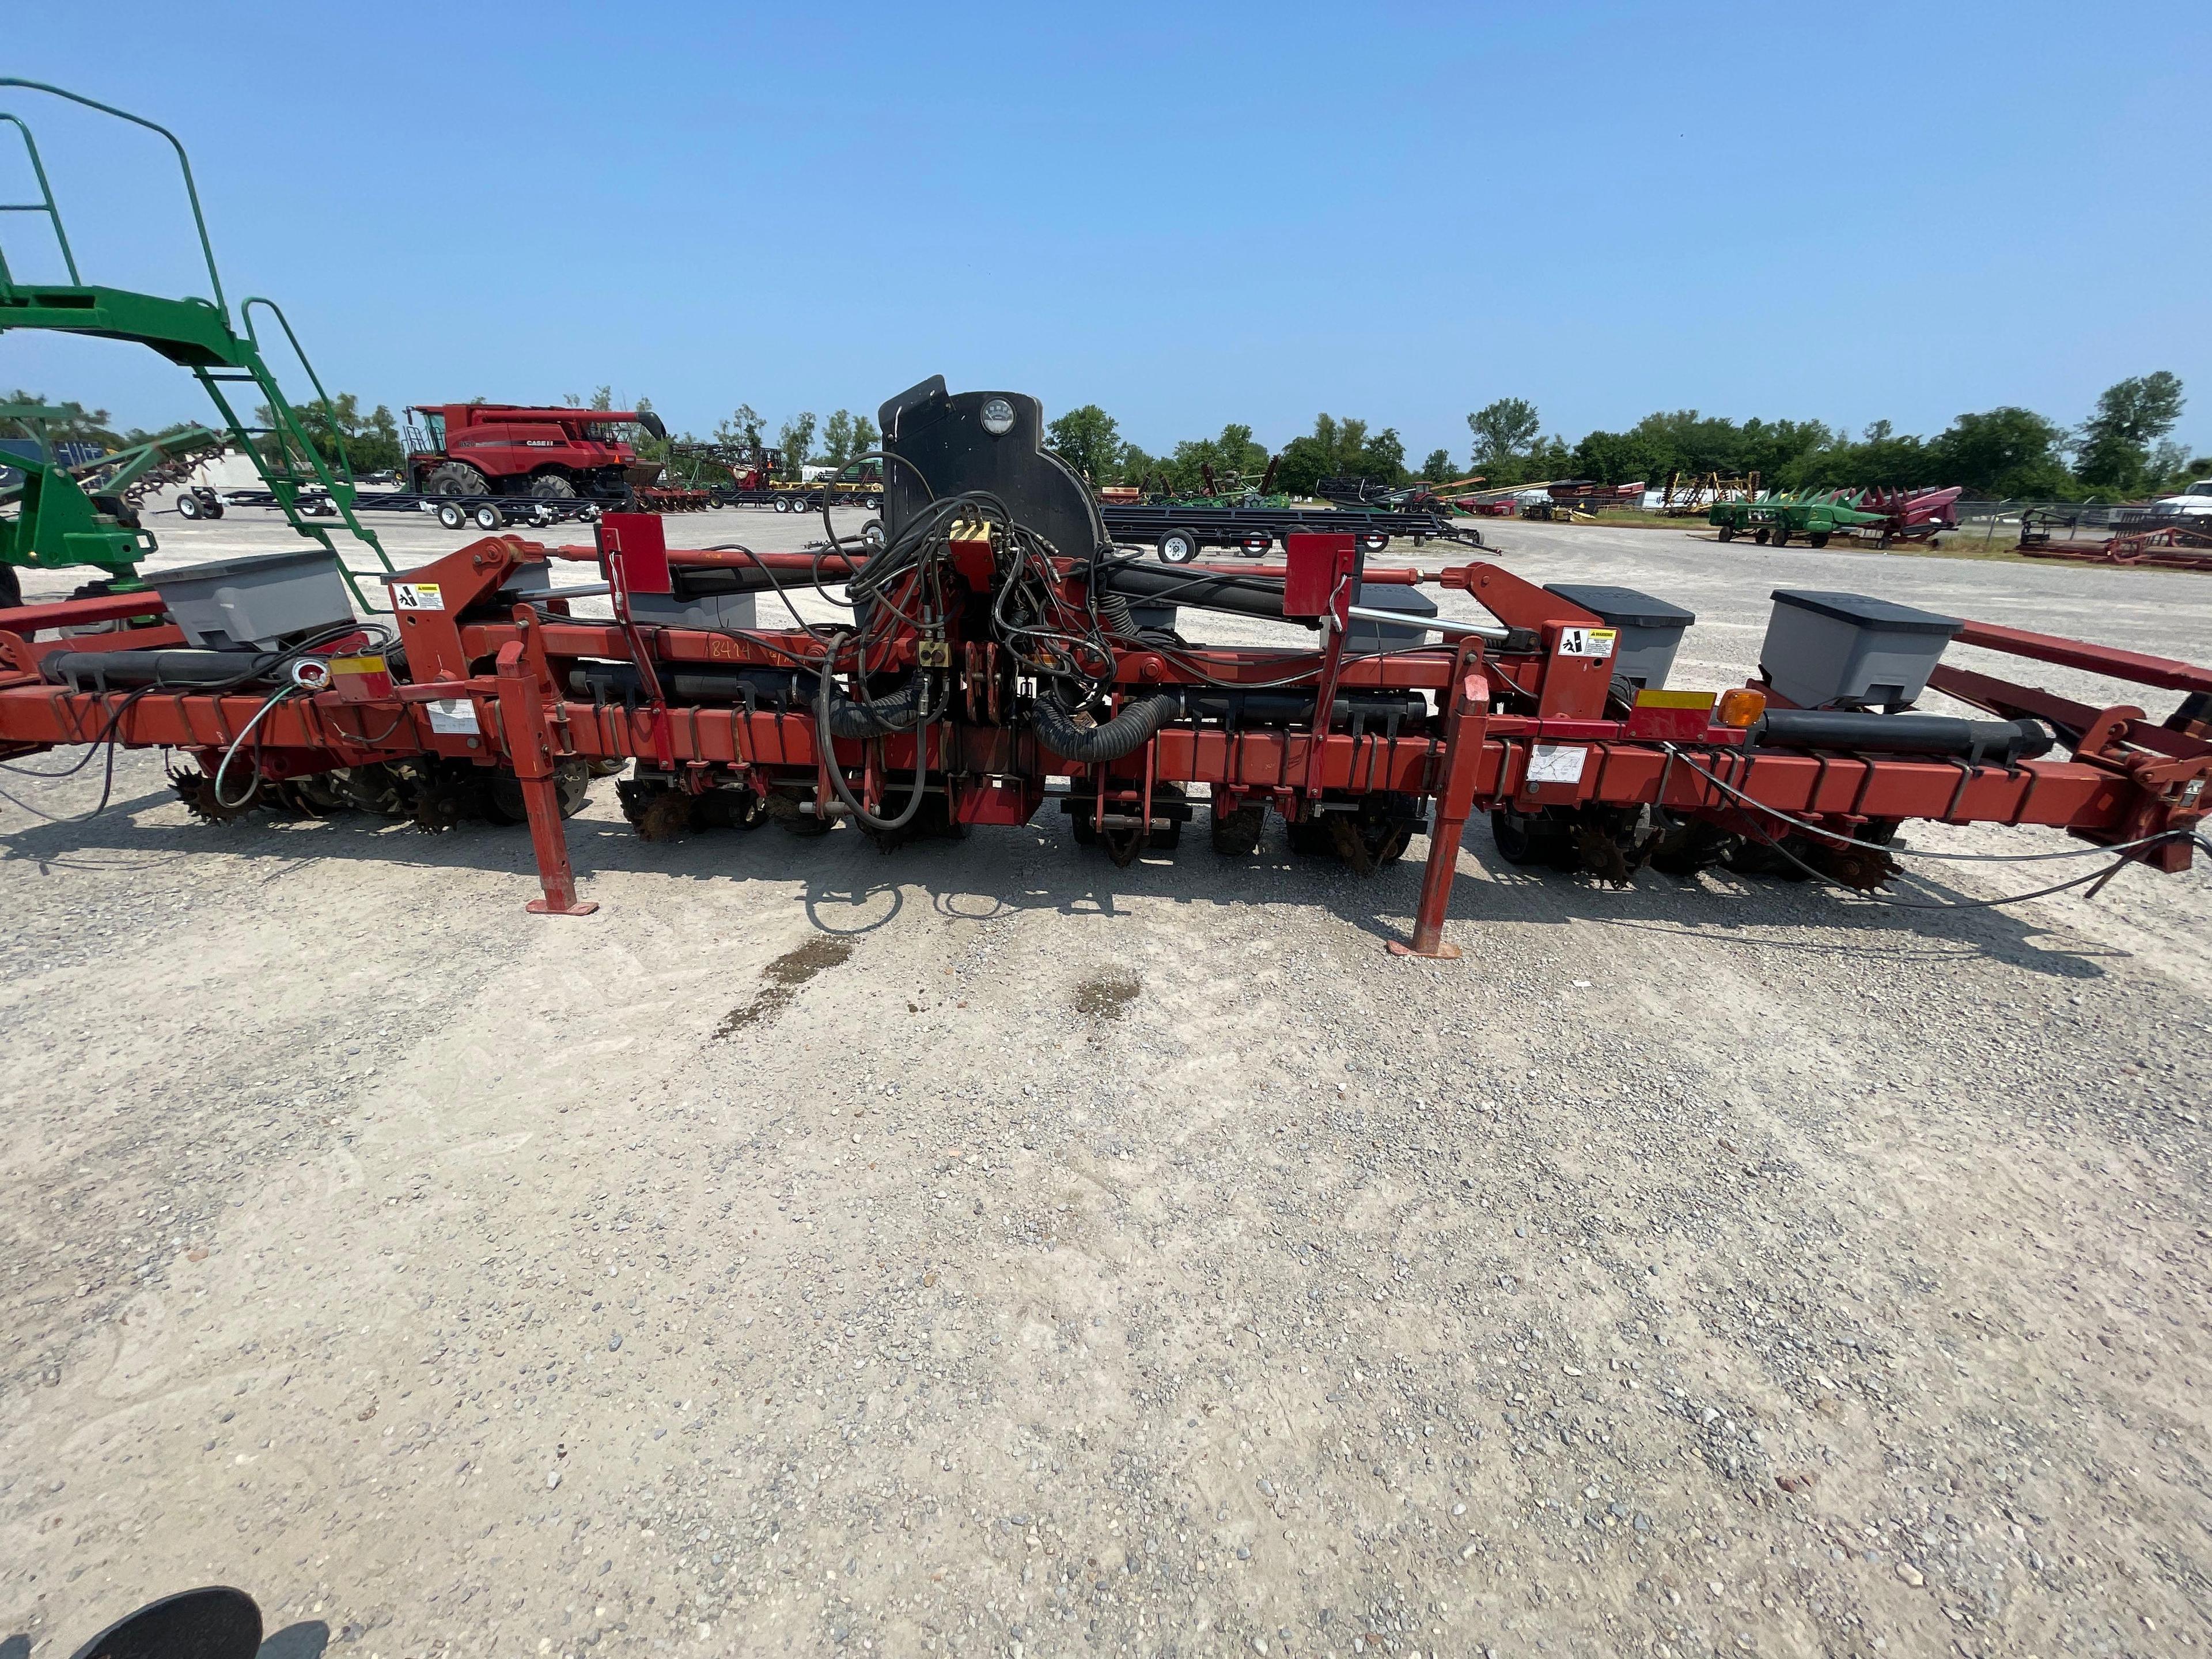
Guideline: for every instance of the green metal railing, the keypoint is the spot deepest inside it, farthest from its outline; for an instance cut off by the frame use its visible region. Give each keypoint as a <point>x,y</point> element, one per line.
<point>198,335</point>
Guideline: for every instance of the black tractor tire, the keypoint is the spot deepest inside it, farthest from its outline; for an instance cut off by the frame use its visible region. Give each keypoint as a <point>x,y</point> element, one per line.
<point>1177,546</point>
<point>552,487</point>
<point>455,478</point>
<point>489,517</point>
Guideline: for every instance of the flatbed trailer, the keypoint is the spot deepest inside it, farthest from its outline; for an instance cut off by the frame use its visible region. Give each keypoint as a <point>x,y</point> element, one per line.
<point>453,511</point>
<point>1179,534</point>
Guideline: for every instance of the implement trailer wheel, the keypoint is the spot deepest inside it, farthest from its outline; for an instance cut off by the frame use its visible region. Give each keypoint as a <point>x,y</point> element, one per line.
<point>1178,546</point>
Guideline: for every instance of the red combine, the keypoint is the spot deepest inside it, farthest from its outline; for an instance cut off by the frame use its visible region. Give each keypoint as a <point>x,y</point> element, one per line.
<point>477,450</point>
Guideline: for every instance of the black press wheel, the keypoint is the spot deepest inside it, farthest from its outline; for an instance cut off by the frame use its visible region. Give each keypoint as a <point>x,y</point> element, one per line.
<point>1237,835</point>
<point>1532,838</point>
<point>1178,546</point>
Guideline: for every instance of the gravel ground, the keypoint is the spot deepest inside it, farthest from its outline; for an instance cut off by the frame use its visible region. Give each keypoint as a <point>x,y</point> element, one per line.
<point>983,1250</point>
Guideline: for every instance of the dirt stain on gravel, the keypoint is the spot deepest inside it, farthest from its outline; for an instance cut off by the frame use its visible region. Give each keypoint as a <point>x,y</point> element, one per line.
<point>1103,996</point>
<point>784,977</point>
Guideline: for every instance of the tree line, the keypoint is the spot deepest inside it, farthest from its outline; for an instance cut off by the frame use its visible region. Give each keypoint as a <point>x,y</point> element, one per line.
<point>2124,449</point>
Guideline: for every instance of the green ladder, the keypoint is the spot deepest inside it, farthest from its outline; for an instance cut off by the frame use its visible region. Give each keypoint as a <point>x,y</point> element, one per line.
<point>195,334</point>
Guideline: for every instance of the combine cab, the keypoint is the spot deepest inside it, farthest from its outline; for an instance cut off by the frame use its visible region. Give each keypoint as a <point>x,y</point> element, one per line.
<point>507,449</point>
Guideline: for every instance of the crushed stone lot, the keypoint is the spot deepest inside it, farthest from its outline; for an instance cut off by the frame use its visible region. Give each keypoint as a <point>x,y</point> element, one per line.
<point>981,1249</point>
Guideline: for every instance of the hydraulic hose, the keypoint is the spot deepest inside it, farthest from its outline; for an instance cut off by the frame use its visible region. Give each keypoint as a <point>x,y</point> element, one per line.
<point>900,711</point>
<point>1090,745</point>
<point>825,728</point>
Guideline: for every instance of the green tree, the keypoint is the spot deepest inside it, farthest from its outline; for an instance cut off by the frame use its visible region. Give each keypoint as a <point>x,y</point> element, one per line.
<point>2113,452</point>
<point>2010,454</point>
<point>796,440</point>
<point>1089,439</point>
<point>1340,449</point>
<point>1504,431</point>
<point>371,441</point>
<point>75,424</point>
<point>740,429</point>
<point>1439,467</point>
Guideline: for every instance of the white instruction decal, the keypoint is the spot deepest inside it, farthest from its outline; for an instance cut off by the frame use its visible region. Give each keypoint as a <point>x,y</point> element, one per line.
<point>459,714</point>
<point>1556,762</point>
<point>418,596</point>
<point>1588,642</point>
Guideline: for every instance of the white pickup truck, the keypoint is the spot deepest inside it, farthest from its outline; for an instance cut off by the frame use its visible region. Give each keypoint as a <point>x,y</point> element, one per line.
<point>2197,498</point>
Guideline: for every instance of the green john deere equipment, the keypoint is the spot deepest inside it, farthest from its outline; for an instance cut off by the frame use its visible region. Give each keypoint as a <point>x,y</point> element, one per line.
<point>86,514</point>
<point>1780,517</point>
<point>194,334</point>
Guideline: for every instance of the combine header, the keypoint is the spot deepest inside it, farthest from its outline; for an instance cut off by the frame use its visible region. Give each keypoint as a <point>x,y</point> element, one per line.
<point>998,651</point>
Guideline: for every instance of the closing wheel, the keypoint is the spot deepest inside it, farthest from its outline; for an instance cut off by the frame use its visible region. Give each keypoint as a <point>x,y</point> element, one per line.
<point>1178,546</point>
<point>488,517</point>
<point>450,516</point>
<point>455,478</point>
<point>552,487</point>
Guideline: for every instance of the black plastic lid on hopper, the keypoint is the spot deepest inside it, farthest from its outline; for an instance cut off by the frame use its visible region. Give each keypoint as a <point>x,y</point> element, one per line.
<point>1865,613</point>
<point>1623,607</point>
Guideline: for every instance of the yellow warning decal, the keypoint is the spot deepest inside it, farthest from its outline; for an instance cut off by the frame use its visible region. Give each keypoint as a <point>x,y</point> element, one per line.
<point>1675,699</point>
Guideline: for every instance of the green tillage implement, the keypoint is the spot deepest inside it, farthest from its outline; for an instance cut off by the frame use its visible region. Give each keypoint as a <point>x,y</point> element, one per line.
<point>86,513</point>
<point>1781,519</point>
<point>195,334</point>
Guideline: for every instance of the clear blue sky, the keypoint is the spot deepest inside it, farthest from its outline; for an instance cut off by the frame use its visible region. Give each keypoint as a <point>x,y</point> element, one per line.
<point>1190,214</point>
